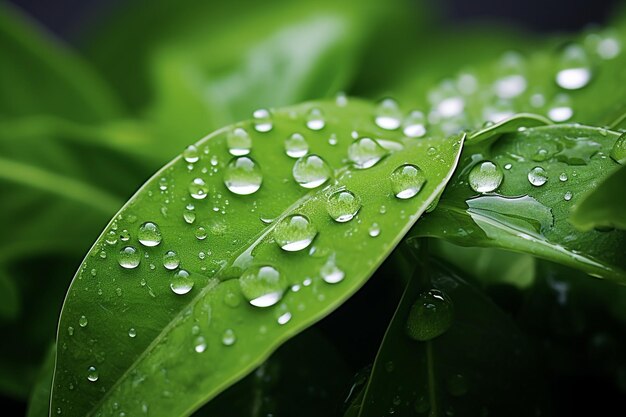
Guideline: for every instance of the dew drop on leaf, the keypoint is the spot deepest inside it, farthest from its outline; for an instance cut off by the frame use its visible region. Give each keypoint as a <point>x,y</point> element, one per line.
<point>171,260</point>
<point>331,273</point>
<point>191,155</point>
<point>296,146</point>
<point>129,257</point>
<point>374,230</point>
<point>92,374</point>
<point>181,282</point>
<point>485,177</point>
<point>132,333</point>
<point>388,115</point>
<point>149,234</point>
<point>563,177</point>
<point>200,233</point>
<point>228,337</point>
<point>198,189</point>
<point>189,215</point>
<point>365,153</point>
<point>263,286</point>
<point>407,180</point>
<point>414,125</point>
<point>262,120</point>
<point>199,344</point>
<point>315,119</point>
<point>82,321</point>
<point>575,72</point>
<point>284,318</point>
<point>343,205</point>
<point>560,109</point>
<point>111,238</point>
<point>618,152</point>
<point>311,171</point>
<point>537,176</point>
<point>239,142</point>
<point>567,196</point>
<point>295,232</point>
<point>430,315</point>
<point>243,176</point>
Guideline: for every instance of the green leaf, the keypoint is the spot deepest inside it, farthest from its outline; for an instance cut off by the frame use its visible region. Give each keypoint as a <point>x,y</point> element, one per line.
<point>39,402</point>
<point>604,206</point>
<point>528,218</point>
<point>41,76</point>
<point>9,298</point>
<point>481,363</point>
<point>189,333</point>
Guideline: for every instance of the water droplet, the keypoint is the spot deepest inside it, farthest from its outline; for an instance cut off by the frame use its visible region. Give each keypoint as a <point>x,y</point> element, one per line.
<point>284,318</point>
<point>414,124</point>
<point>229,338</point>
<point>407,180</point>
<point>296,146</point>
<point>295,232</point>
<point>563,177</point>
<point>560,109</point>
<point>111,238</point>
<point>189,215</point>
<point>608,48</point>
<point>190,154</point>
<point>92,374</point>
<point>200,233</point>
<point>567,196</point>
<point>198,189</point>
<point>510,86</point>
<point>239,142</point>
<point>243,176</point>
<point>315,119</point>
<point>331,273</point>
<point>149,234</point>
<point>430,316</point>
<point>374,230</point>
<point>181,283</point>
<point>618,152</point>
<point>341,99</point>
<point>132,332</point>
<point>537,176</point>
<point>70,330</point>
<point>343,205</point>
<point>171,260</point>
<point>365,153</point>
<point>388,114</point>
<point>200,344</point>
<point>82,321</point>
<point>311,171</point>
<point>457,385</point>
<point>263,286</point>
<point>508,166</point>
<point>125,235</point>
<point>575,72</point>
<point>262,120</point>
<point>485,177</point>
<point>129,257</point>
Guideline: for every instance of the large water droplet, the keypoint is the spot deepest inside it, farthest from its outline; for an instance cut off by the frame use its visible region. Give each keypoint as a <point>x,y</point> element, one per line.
<point>243,176</point>
<point>262,120</point>
<point>315,119</point>
<point>575,72</point>
<point>228,337</point>
<point>388,114</point>
<point>191,155</point>
<point>181,282</point>
<point>365,153</point>
<point>296,146</point>
<point>239,142</point>
<point>343,205</point>
<point>92,374</point>
<point>198,189</point>
<point>407,180</point>
<point>129,257</point>
<point>537,176</point>
<point>618,152</point>
<point>295,232</point>
<point>430,316</point>
<point>414,124</point>
<point>171,260</point>
<point>263,286</point>
<point>485,177</point>
<point>311,171</point>
<point>149,234</point>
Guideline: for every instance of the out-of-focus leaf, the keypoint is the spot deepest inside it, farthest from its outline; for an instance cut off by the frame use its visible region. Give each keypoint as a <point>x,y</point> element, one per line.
<point>479,365</point>
<point>524,203</point>
<point>604,207</point>
<point>40,76</point>
<point>9,298</point>
<point>191,327</point>
<point>39,401</point>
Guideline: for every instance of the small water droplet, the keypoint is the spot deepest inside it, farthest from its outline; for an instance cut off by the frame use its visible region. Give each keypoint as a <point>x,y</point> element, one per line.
<point>365,153</point>
<point>374,230</point>
<point>618,152</point>
<point>124,235</point>
<point>508,166</point>
<point>70,330</point>
<point>262,120</point>
<point>200,233</point>
<point>149,234</point>
<point>485,177</point>
<point>181,283</point>
<point>132,333</point>
<point>82,321</point>
<point>243,176</point>
<point>388,114</point>
<point>198,189</point>
<point>190,154</point>
<point>239,142</point>
<point>575,72</point>
<point>189,215</point>
<point>296,146</point>
<point>171,260</point>
<point>199,344</point>
<point>111,238</point>
<point>560,109</point>
<point>430,315</point>
<point>228,337</point>
<point>567,196</point>
<point>311,171</point>
<point>263,286</point>
<point>414,125</point>
<point>331,273</point>
<point>537,176</point>
<point>563,177</point>
<point>407,180</point>
<point>315,119</point>
<point>295,232</point>
<point>284,318</point>
<point>129,257</point>
<point>343,205</point>
<point>92,374</point>
<point>341,99</point>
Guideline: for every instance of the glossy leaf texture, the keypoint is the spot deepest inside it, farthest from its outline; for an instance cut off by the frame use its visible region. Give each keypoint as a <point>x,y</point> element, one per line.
<point>517,194</point>
<point>222,256</point>
<point>477,363</point>
<point>40,76</point>
<point>605,206</point>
